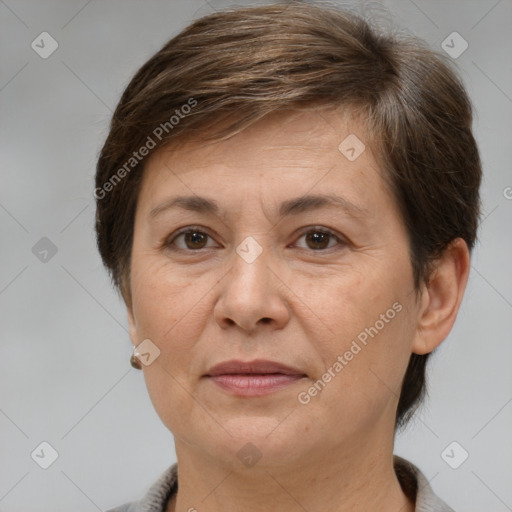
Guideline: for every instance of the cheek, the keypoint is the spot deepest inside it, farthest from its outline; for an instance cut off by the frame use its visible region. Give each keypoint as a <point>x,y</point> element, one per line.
<point>162,298</point>
<point>164,306</point>
<point>370,319</point>
<point>168,310</point>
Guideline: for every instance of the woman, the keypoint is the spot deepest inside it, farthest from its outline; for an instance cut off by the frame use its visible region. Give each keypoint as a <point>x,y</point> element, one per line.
<point>287,201</point>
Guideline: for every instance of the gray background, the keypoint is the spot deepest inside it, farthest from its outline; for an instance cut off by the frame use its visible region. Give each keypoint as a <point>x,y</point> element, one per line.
<point>65,377</point>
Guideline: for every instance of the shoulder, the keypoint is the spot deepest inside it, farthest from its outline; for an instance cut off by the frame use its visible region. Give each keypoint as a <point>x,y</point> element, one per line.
<point>415,485</point>
<point>155,500</point>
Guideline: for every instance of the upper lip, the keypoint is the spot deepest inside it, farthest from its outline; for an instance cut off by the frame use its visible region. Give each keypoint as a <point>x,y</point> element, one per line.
<point>257,366</point>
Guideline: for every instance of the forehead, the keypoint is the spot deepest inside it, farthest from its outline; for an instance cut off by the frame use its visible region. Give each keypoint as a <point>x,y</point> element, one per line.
<point>281,133</point>
<point>284,154</point>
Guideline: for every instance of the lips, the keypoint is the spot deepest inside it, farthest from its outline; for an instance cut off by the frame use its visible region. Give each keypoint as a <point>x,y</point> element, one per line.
<point>253,378</point>
<point>258,367</point>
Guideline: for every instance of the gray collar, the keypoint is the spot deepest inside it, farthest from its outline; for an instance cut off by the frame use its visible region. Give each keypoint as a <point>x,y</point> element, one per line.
<point>413,482</point>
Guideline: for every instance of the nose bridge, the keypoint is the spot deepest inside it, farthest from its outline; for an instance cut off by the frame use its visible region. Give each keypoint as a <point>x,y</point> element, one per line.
<point>250,266</point>
<point>250,293</point>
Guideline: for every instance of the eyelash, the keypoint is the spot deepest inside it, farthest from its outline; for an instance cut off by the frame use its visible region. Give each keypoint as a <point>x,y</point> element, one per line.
<point>169,242</point>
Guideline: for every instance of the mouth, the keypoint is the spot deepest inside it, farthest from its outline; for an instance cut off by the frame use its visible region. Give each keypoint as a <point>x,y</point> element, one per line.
<point>253,378</point>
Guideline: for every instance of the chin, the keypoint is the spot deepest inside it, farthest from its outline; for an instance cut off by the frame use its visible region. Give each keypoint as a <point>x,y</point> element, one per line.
<point>250,440</point>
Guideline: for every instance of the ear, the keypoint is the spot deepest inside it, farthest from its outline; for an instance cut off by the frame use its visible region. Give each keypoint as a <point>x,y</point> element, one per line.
<point>132,325</point>
<point>441,297</point>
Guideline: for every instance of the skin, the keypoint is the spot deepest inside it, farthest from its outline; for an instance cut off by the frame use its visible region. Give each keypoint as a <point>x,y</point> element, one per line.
<point>298,303</point>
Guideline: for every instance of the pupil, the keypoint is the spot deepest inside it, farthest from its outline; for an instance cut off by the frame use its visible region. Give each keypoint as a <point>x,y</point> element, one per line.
<point>194,238</point>
<point>317,238</point>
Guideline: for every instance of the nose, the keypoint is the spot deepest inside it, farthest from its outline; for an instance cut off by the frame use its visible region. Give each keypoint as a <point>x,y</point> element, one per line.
<point>252,294</point>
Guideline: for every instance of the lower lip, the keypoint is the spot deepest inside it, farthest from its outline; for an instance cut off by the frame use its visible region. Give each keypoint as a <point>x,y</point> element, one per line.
<point>254,385</point>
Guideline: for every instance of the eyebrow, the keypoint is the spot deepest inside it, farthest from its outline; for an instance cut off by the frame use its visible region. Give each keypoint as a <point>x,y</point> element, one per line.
<point>289,207</point>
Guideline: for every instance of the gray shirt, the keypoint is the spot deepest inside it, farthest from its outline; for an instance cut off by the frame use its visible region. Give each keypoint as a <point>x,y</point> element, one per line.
<point>413,482</point>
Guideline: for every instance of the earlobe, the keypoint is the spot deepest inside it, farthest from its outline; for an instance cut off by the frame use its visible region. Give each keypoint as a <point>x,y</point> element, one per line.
<point>441,297</point>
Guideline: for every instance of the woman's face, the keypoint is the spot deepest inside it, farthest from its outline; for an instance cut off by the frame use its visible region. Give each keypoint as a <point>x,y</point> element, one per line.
<point>262,280</point>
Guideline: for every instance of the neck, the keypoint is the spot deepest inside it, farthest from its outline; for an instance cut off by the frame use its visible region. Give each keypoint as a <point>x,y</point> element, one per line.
<point>356,480</point>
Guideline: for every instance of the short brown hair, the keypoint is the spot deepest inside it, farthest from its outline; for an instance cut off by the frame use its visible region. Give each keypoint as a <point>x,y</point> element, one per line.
<point>240,64</point>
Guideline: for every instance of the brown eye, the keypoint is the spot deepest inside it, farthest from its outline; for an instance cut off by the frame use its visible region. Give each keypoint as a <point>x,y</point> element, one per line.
<point>195,239</point>
<point>319,239</point>
<point>189,240</point>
